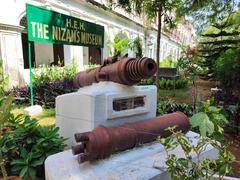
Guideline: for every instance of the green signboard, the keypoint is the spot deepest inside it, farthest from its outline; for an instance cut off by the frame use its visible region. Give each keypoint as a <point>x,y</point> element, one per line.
<point>51,27</point>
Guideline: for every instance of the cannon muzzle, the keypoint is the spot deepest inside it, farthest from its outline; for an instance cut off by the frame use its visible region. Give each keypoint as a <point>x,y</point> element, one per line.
<point>103,141</point>
<point>124,70</point>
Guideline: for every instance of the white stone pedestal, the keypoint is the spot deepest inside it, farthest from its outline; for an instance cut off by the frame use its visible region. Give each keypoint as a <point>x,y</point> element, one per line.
<point>146,162</point>
<point>93,105</point>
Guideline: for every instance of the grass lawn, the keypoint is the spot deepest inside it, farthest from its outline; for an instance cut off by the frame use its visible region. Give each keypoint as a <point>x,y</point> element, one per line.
<point>46,118</point>
<point>180,95</point>
<point>185,95</point>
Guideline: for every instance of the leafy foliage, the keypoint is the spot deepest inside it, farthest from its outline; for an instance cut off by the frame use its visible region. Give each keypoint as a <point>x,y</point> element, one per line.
<point>227,70</point>
<point>5,119</point>
<point>44,93</point>
<point>119,45</point>
<point>209,120</point>
<point>208,11</point>
<point>217,38</point>
<point>168,62</point>
<point>136,45</point>
<point>170,106</point>
<point>167,83</point>
<point>45,73</point>
<point>27,145</point>
<point>3,78</point>
<point>154,9</point>
<point>188,168</point>
<point>188,65</point>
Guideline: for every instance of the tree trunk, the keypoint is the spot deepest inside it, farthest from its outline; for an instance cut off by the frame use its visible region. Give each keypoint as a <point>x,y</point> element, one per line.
<point>158,46</point>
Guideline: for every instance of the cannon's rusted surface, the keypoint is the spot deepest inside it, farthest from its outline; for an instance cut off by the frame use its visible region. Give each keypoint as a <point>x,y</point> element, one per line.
<point>123,70</point>
<point>103,141</point>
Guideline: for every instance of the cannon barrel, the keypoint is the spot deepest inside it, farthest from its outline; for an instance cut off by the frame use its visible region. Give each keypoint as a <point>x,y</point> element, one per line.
<point>125,70</point>
<point>101,142</point>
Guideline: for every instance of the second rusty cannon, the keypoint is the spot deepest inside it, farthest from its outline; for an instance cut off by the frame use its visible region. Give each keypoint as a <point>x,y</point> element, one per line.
<point>103,141</point>
<point>123,70</point>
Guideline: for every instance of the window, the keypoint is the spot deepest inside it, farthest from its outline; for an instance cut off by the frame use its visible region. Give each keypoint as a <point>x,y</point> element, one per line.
<point>58,55</point>
<point>25,51</point>
<point>24,36</point>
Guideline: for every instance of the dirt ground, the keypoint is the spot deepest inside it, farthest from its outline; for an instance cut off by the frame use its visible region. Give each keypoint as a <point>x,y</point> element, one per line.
<point>204,91</point>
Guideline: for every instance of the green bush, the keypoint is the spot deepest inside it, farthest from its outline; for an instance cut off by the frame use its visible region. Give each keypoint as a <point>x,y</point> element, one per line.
<point>168,62</point>
<point>5,119</point>
<point>166,83</point>
<point>47,73</point>
<point>227,70</point>
<point>136,46</point>
<point>149,81</point>
<point>186,167</point>
<point>119,45</point>
<point>209,120</point>
<point>3,78</point>
<point>170,106</point>
<point>45,93</point>
<point>26,145</point>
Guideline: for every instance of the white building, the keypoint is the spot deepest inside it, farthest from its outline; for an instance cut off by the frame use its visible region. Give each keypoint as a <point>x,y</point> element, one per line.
<point>13,36</point>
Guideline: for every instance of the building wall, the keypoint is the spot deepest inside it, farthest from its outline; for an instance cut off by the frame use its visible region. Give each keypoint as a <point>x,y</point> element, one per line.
<point>114,22</point>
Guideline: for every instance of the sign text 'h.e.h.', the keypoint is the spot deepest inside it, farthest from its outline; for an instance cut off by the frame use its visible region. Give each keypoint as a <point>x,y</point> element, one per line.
<point>52,27</point>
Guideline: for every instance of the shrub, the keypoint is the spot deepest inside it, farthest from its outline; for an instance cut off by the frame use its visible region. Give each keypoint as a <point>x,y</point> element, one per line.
<point>26,146</point>
<point>166,83</point>
<point>119,45</point>
<point>188,168</point>
<point>47,73</point>
<point>209,120</point>
<point>170,106</point>
<point>149,81</point>
<point>136,46</point>
<point>221,97</point>
<point>5,118</point>
<point>227,70</point>
<point>3,78</point>
<point>168,62</point>
<point>44,93</point>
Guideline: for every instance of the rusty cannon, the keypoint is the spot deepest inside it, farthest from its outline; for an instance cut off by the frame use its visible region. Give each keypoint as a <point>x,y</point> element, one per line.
<point>101,142</point>
<point>122,70</point>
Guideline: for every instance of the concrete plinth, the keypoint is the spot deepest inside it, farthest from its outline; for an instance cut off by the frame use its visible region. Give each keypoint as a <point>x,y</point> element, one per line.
<point>93,105</point>
<point>146,162</point>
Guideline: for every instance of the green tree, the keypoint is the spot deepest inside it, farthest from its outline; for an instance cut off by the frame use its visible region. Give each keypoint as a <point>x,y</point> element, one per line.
<point>208,11</point>
<point>172,11</point>
<point>159,9</point>
<point>188,64</point>
<point>136,46</point>
<point>217,38</point>
<point>227,70</point>
<point>119,45</point>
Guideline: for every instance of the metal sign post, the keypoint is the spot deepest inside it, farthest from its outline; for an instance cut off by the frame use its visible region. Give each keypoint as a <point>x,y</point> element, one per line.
<point>30,73</point>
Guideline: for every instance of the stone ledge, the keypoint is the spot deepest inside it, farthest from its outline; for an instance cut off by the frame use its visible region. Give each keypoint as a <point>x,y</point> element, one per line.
<point>146,162</point>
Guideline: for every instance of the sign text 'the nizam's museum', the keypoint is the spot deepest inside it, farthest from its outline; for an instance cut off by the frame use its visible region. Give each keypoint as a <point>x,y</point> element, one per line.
<point>52,27</point>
